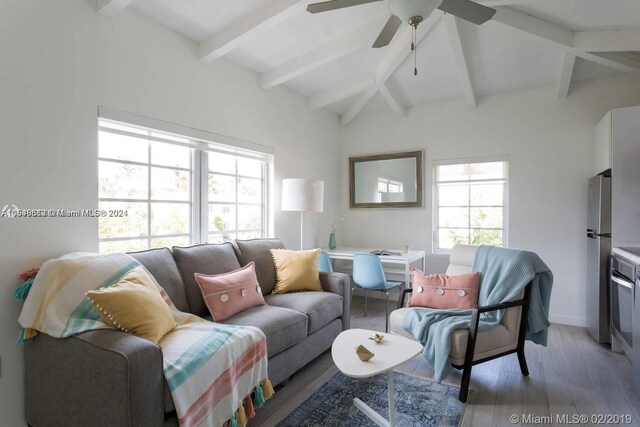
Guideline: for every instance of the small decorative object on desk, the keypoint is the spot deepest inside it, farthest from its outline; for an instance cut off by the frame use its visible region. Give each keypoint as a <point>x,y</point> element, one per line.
<point>364,354</point>
<point>332,237</point>
<point>376,337</point>
<point>405,249</point>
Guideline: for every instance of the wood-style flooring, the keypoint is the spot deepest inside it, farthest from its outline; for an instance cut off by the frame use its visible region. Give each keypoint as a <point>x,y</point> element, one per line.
<point>570,377</point>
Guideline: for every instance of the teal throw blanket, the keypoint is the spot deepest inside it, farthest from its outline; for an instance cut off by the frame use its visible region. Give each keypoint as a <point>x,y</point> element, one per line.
<point>504,273</point>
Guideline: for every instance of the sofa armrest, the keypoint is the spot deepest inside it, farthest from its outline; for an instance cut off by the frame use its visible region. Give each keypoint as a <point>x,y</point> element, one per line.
<point>97,378</point>
<point>339,283</point>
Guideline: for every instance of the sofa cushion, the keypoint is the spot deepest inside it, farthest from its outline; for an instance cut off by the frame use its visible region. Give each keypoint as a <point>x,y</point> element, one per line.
<point>296,270</point>
<point>320,307</point>
<point>134,305</point>
<point>204,259</point>
<point>282,326</point>
<point>444,292</point>
<point>161,265</point>
<point>257,250</point>
<point>229,293</point>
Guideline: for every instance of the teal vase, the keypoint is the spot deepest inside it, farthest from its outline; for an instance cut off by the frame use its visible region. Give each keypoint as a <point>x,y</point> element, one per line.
<point>332,241</point>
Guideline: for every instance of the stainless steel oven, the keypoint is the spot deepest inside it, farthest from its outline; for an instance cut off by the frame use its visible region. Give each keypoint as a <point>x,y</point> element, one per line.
<point>623,273</point>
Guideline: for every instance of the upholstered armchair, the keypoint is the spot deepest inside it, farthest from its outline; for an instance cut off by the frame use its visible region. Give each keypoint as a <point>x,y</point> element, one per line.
<point>471,346</point>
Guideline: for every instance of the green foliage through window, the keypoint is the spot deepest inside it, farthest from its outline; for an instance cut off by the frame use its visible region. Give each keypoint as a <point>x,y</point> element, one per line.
<point>470,206</point>
<point>152,177</point>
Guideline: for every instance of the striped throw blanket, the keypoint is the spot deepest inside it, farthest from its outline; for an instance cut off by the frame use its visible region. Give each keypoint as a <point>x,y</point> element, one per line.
<point>216,373</point>
<point>504,273</point>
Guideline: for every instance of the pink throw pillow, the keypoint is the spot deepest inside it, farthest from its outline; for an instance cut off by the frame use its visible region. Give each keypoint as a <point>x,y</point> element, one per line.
<point>229,293</point>
<point>444,292</point>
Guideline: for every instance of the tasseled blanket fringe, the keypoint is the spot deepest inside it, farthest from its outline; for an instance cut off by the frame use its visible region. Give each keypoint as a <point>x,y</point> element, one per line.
<point>27,278</point>
<point>21,294</point>
<point>26,334</point>
<point>262,392</point>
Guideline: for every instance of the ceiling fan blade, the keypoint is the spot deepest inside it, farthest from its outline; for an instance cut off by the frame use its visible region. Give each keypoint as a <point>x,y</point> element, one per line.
<point>326,6</point>
<point>387,33</point>
<point>468,10</point>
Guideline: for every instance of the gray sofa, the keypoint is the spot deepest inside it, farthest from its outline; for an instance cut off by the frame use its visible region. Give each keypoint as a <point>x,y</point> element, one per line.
<point>111,378</point>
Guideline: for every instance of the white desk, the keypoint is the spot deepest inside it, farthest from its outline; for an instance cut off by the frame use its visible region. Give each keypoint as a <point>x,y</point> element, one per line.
<point>390,263</point>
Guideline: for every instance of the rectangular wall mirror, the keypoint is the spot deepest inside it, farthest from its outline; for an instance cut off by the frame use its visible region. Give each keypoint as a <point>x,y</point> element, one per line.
<point>386,180</point>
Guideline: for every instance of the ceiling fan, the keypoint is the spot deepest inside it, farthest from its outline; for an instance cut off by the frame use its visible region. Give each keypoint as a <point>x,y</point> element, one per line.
<point>413,12</point>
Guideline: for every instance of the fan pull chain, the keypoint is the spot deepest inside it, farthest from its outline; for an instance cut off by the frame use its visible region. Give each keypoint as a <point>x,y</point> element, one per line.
<point>413,44</point>
<point>415,53</point>
<point>414,21</point>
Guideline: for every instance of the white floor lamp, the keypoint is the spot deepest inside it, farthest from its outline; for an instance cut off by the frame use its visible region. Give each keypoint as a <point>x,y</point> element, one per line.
<point>302,195</point>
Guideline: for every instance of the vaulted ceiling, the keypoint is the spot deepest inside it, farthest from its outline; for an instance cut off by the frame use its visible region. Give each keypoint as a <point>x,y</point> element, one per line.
<point>327,57</point>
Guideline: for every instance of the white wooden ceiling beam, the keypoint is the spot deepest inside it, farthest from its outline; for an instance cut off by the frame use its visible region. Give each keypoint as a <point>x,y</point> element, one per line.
<point>492,3</point>
<point>334,49</point>
<point>355,107</point>
<point>341,91</point>
<point>566,72</point>
<point>560,37</point>
<point>392,99</point>
<point>270,14</point>
<point>616,60</point>
<point>398,52</point>
<point>608,40</point>
<point>459,55</point>
<point>533,28</point>
<point>111,8</point>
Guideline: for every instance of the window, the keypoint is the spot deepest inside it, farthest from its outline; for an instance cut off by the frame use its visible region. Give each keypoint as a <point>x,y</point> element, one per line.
<point>153,190</point>
<point>387,185</point>
<point>236,197</point>
<point>470,204</point>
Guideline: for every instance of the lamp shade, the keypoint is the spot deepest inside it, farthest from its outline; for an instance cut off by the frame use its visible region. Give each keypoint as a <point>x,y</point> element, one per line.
<point>302,195</point>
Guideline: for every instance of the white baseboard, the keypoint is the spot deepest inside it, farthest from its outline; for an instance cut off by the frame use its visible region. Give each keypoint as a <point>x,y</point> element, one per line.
<point>568,320</point>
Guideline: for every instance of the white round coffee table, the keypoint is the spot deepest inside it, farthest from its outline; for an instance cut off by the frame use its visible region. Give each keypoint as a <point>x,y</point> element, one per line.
<point>394,350</point>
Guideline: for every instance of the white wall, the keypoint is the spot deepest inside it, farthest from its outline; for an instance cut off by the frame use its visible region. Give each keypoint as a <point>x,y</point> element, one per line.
<point>59,61</point>
<point>549,144</point>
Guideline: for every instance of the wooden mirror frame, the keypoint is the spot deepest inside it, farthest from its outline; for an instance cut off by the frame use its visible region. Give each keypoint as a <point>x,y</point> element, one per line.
<point>391,156</point>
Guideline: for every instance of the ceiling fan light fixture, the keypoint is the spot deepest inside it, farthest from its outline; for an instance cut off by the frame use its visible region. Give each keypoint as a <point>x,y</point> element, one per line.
<point>406,9</point>
<point>414,21</point>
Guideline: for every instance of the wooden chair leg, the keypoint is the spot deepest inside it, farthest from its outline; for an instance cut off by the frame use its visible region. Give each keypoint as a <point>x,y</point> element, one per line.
<point>464,385</point>
<point>523,362</point>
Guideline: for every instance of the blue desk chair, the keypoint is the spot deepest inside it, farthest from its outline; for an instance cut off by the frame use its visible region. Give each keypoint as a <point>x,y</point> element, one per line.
<point>324,263</point>
<point>369,275</point>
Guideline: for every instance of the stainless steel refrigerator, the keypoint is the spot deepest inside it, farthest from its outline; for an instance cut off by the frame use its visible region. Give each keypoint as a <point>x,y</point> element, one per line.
<point>598,257</point>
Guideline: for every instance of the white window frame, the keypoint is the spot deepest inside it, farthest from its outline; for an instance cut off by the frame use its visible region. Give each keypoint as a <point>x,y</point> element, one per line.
<point>193,226</point>
<point>204,231</point>
<point>436,202</point>
<point>200,142</point>
<point>388,182</point>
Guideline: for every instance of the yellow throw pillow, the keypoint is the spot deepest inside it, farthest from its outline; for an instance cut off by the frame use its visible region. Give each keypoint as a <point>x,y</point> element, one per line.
<point>296,270</point>
<point>134,305</point>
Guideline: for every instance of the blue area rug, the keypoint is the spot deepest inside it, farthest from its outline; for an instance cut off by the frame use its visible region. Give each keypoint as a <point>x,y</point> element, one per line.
<point>419,403</point>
